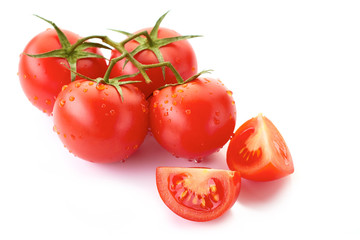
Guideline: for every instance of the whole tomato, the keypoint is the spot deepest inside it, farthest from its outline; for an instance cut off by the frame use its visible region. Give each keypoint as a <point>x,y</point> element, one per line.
<point>96,124</point>
<point>194,119</point>
<point>179,53</point>
<point>42,78</point>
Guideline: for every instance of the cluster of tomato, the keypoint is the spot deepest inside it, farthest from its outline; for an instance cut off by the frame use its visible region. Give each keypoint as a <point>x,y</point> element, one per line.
<point>102,111</point>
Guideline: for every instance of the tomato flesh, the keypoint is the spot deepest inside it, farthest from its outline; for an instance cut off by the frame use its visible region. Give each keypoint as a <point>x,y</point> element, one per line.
<point>259,152</point>
<point>198,194</point>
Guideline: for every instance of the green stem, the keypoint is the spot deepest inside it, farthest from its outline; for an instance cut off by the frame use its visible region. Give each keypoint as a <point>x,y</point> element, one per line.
<point>82,40</point>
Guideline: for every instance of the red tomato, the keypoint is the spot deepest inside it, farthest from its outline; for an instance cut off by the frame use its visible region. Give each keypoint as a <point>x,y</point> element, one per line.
<point>193,120</point>
<point>259,152</point>
<point>198,194</point>
<point>95,124</point>
<point>42,78</point>
<point>180,54</point>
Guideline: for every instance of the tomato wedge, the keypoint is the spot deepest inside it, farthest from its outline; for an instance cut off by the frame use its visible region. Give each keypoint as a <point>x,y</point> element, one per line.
<point>259,152</point>
<point>198,194</point>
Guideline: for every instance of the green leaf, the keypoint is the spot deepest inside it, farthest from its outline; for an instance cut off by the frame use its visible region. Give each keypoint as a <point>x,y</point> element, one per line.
<point>154,31</point>
<point>86,45</point>
<point>55,53</point>
<point>62,38</point>
<point>165,41</point>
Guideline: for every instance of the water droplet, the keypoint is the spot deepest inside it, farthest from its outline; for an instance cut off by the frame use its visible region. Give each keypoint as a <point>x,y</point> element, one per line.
<point>103,105</point>
<point>112,112</point>
<point>230,93</point>
<point>48,101</point>
<point>77,84</point>
<point>166,101</point>
<point>174,103</point>
<point>34,76</point>
<point>155,105</point>
<point>135,146</point>
<point>166,114</point>
<point>85,90</point>
<point>62,102</point>
<point>36,98</point>
<point>174,95</point>
<point>216,121</point>
<point>71,98</point>
<point>64,87</point>
<point>187,111</point>
<point>180,90</point>
<point>156,92</point>
<point>100,86</point>
<point>91,83</point>
<point>233,102</point>
<point>143,108</point>
<point>72,136</point>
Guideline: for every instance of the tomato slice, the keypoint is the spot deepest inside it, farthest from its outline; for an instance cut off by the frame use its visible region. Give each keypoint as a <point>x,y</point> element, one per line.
<point>259,152</point>
<point>198,194</point>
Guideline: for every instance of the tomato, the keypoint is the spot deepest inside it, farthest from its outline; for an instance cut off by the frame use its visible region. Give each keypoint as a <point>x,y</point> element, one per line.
<point>42,78</point>
<point>259,152</point>
<point>180,54</point>
<point>198,194</point>
<point>95,124</point>
<point>194,119</point>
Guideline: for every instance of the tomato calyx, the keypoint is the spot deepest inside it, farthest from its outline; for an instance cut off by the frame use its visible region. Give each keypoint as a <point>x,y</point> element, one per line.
<point>71,52</point>
<point>115,82</point>
<point>151,42</point>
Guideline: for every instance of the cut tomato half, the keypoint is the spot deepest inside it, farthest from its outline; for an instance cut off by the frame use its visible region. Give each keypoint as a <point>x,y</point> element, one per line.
<point>259,152</point>
<point>198,194</point>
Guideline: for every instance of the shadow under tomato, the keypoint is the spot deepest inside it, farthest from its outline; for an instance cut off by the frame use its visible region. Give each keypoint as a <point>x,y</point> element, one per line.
<point>258,193</point>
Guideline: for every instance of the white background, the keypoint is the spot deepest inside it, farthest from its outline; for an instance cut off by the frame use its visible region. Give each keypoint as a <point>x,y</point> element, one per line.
<point>297,62</point>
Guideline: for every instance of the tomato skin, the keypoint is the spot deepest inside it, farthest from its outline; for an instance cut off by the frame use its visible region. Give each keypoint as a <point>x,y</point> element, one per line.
<point>193,120</point>
<point>198,183</point>
<point>180,54</point>
<point>260,142</point>
<point>42,78</point>
<point>96,125</point>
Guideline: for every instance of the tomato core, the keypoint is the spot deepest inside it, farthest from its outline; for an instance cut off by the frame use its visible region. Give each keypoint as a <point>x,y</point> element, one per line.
<point>208,195</point>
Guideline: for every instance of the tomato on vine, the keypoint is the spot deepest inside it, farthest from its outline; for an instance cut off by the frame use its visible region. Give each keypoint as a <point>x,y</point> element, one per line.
<point>193,119</point>
<point>41,70</point>
<point>159,45</point>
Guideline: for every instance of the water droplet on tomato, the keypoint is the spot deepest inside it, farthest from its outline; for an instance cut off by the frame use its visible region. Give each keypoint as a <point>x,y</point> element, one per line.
<point>62,102</point>
<point>166,114</point>
<point>103,105</point>
<point>174,103</point>
<point>91,83</point>
<point>48,101</point>
<point>187,111</point>
<point>100,86</point>
<point>77,84</point>
<point>85,90</point>
<point>230,93</point>
<point>64,87</point>
<point>233,102</point>
<point>174,95</point>
<point>156,92</point>
<point>36,98</point>
<point>71,98</point>
<point>112,112</point>
<point>216,121</point>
